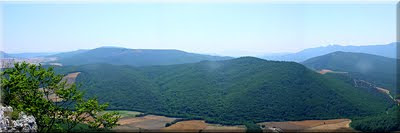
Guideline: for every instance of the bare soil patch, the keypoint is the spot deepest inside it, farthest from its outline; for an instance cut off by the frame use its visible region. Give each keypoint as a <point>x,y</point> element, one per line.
<point>70,78</point>
<point>222,128</point>
<point>383,90</point>
<point>332,127</point>
<point>324,71</point>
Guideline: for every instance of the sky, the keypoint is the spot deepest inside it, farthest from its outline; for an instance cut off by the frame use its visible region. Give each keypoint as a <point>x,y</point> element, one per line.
<point>232,29</point>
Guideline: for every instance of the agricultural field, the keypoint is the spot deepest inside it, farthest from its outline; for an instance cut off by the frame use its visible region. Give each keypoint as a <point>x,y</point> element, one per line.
<point>130,122</point>
<point>333,125</point>
<point>200,126</point>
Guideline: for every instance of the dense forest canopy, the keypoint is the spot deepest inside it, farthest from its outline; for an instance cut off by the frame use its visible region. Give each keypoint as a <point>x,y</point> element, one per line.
<point>378,70</point>
<point>234,91</point>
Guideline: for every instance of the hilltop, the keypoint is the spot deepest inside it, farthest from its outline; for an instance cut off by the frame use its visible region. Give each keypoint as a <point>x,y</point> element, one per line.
<point>132,57</point>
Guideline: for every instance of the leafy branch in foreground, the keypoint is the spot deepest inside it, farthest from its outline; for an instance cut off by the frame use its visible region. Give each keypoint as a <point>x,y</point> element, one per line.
<point>56,105</point>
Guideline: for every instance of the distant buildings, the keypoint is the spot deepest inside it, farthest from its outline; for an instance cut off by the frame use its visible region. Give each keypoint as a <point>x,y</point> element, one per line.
<point>9,62</point>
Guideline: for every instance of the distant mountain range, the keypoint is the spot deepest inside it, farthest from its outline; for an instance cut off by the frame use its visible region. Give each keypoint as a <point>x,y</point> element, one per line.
<point>133,57</point>
<point>388,50</point>
<point>230,91</point>
<point>146,57</point>
<point>24,55</point>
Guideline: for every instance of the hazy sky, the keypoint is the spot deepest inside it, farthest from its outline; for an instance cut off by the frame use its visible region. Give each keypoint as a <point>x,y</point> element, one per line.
<point>217,28</point>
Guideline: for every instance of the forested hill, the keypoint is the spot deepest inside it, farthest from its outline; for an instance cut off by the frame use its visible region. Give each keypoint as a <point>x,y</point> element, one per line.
<point>228,92</point>
<point>378,70</point>
<point>133,57</point>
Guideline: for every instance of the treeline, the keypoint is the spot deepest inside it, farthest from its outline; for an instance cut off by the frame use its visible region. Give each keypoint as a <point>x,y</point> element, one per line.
<point>384,122</point>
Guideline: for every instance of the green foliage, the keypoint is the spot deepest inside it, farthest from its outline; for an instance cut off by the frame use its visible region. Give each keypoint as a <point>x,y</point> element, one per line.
<point>384,122</point>
<point>252,127</point>
<point>179,120</point>
<point>125,113</point>
<point>228,92</point>
<point>141,115</point>
<point>28,88</point>
<point>15,114</point>
<point>377,70</point>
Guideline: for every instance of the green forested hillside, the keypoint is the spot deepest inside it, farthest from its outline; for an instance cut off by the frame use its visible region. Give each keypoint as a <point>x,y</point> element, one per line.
<point>229,92</point>
<point>384,122</point>
<point>133,57</point>
<point>378,70</point>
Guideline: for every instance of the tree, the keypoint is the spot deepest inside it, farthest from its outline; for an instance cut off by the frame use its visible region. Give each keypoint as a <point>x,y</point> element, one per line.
<point>56,105</point>
<point>251,127</point>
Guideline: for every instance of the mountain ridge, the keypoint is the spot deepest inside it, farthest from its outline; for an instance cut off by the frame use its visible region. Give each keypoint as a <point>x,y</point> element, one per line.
<point>134,57</point>
<point>387,50</point>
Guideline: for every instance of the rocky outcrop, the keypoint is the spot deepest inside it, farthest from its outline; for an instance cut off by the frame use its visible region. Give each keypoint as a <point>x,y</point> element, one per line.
<point>24,123</point>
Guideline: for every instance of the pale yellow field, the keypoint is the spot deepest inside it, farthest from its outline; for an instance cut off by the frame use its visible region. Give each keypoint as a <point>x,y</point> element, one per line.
<point>201,125</point>
<point>333,125</point>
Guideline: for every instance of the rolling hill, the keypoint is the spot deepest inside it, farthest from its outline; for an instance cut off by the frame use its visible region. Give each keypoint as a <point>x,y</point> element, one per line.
<point>230,92</point>
<point>67,54</point>
<point>132,57</point>
<point>378,70</point>
<point>387,50</point>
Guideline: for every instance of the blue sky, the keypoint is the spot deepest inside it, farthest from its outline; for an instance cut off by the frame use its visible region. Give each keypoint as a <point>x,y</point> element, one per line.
<point>233,29</point>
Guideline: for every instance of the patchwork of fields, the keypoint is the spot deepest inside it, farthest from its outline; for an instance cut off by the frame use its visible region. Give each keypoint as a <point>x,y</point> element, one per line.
<point>129,122</point>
